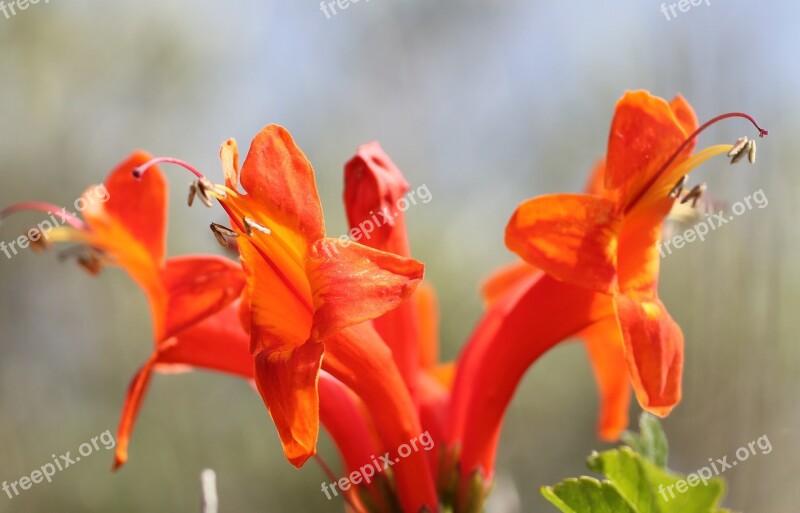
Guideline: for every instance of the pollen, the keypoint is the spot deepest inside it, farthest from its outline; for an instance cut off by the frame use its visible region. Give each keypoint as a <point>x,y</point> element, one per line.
<point>694,195</point>
<point>743,146</point>
<point>221,232</point>
<point>38,240</point>
<point>250,225</point>
<point>678,188</point>
<point>205,190</point>
<point>90,258</point>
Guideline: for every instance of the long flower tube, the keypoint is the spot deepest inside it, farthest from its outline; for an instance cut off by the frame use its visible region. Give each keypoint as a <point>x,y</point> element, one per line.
<point>375,202</point>
<point>373,186</point>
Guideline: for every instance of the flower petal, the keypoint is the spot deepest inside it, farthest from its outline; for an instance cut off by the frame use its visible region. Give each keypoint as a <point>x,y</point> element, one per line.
<point>287,382</point>
<point>373,185</point>
<point>596,185</point>
<point>686,116</point>
<point>644,133</point>
<point>605,346</point>
<point>639,260</point>
<point>229,155</point>
<point>137,206</point>
<point>133,401</point>
<point>280,315</point>
<point>217,343</point>
<point>654,351</point>
<point>569,236</point>
<point>353,283</point>
<point>197,286</point>
<point>279,177</point>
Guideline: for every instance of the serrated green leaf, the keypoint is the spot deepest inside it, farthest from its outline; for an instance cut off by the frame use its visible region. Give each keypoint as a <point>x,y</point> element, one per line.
<point>637,485</point>
<point>628,472</point>
<point>584,495</point>
<point>632,473</point>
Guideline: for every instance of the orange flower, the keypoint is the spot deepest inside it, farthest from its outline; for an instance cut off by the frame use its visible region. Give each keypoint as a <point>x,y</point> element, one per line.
<point>595,272</point>
<point>188,295</point>
<point>608,241</point>
<point>308,298</point>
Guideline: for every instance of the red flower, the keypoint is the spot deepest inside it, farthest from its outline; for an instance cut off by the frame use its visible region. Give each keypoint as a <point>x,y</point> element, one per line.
<point>595,272</point>
<point>308,299</point>
<point>188,295</point>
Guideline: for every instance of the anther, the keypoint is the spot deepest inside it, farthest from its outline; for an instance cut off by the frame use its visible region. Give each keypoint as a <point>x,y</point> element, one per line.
<point>751,152</point>
<point>678,188</point>
<point>91,259</point>
<point>694,195</point>
<point>250,224</point>
<point>38,240</point>
<point>201,188</point>
<point>91,263</point>
<point>739,146</point>
<point>743,147</point>
<point>220,232</point>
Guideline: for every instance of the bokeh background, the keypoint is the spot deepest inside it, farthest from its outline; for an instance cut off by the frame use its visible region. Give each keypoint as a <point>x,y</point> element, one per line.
<point>485,102</point>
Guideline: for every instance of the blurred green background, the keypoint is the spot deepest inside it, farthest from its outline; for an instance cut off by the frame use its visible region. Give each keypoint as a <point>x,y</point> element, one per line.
<point>487,103</point>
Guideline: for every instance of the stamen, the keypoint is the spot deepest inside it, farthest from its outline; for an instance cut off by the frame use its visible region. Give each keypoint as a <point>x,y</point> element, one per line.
<point>743,147</point>
<point>201,188</point>
<point>91,259</point>
<point>91,263</point>
<point>738,146</point>
<point>47,208</point>
<point>249,223</point>
<point>40,242</point>
<point>139,171</point>
<point>192,193</point>
<point>751,153</point>
<point>676,191</point>
<point>220,232</point>
<point>694,195</point>
<point>761,133</point>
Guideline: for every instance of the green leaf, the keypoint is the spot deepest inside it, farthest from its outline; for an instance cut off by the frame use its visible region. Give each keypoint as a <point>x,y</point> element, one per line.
<point>650,442</point>
<point>628,472</point>
<point>655,490</point>
<point>586,494</point>
<point>638,482</point>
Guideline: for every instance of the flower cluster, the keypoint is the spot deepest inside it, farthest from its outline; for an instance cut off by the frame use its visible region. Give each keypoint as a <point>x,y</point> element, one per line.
<point>347,338</point>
